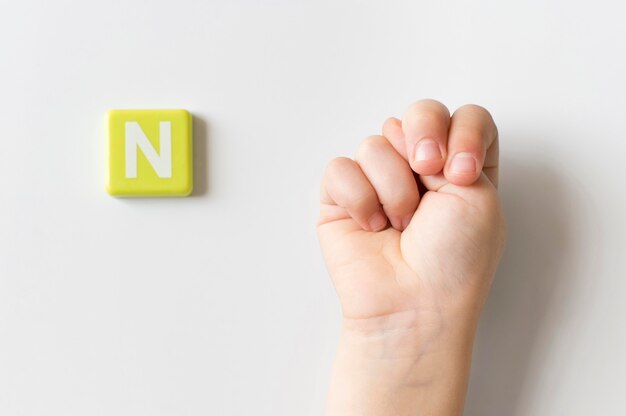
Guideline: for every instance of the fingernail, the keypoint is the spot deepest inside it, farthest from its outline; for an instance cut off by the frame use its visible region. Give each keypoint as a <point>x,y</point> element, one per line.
<point>377,222</point>
<point>427,149</point>
<point>463,163</point>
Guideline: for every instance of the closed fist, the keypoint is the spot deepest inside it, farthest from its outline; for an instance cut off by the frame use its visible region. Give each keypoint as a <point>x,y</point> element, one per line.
<point>413,222</point>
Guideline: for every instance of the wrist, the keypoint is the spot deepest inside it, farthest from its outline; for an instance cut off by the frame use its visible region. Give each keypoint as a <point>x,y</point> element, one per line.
<point>416,361</point>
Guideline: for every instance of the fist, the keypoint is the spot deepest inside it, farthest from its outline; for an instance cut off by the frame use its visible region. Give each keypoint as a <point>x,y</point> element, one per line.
<point>413,223</point>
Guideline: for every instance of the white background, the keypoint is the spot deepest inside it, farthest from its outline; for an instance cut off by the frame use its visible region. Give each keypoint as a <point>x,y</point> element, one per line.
<point>219,304</point>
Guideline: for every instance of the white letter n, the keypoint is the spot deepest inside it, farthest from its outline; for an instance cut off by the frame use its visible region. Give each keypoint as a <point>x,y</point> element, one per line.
<point>135,137</point>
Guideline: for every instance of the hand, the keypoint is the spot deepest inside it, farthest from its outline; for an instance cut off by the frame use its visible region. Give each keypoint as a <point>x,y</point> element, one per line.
<point>412,232</point>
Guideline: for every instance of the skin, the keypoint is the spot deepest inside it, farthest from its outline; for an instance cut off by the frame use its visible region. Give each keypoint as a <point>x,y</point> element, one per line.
<point>411,240</point>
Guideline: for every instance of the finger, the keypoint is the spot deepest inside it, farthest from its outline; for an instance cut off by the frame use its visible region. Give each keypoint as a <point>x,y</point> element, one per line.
<point>472,146</point>
<point>433,182</point>
<point>392,130</point>
<point>392,179</point>
<point>346,186</point>
<point>425,125</point>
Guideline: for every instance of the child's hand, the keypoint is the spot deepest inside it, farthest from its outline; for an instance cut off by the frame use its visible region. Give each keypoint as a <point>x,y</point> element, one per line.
<point>412,232</point>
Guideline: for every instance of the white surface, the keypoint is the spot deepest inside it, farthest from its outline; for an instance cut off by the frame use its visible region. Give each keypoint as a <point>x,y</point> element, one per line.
<point>234,313</point>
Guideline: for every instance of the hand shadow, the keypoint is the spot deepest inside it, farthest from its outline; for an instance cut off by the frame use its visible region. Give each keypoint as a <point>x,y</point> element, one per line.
<point>528,292</point>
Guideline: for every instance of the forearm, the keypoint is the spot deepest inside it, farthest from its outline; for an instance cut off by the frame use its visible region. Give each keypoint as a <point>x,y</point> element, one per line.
<point>404,364</point>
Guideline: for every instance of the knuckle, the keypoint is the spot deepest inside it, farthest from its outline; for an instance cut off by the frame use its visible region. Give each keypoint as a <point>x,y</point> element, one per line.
<point>391,120</point>
<point>426,120</point>
<point>474,107</point>
<point>478,112</point>
<point>428,109</point>
<point>371,145</point>
<point>427,103</point>
<point>338,166</point>
<point>482,123</point>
